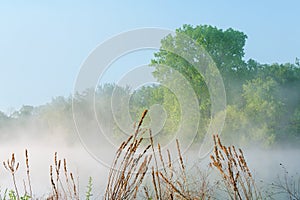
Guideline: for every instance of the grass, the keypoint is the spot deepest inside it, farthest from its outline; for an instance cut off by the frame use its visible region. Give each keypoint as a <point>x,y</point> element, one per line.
<point>141,170</point>
<point>236,175</point>
<point>88,193</point>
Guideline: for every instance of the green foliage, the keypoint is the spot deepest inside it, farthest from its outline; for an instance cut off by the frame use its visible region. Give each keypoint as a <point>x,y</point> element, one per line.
<point>148,97</point>
<point>259,96</point>
<point>263,99</point>
<point>294,126</point>
<point>12,196</point>
<point>88,193</point>
<point>261,104</point>
<point>226,47</point>
<point>26,197</point>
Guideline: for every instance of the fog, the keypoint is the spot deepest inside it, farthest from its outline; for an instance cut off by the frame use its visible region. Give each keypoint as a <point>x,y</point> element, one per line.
<point>264,164</point>
<point>41,156</point>
<point>90,149</point>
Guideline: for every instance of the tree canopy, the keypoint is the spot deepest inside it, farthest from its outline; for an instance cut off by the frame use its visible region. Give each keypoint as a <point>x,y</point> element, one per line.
<point>263,100</point>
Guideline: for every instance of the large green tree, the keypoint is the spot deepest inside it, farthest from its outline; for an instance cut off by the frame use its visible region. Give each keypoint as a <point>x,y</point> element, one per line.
<point>263,99</point>
<point>226,47</point>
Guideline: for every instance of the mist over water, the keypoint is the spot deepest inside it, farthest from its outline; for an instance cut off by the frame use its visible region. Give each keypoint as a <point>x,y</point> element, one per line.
<point>268,164</point>
<point>41,156</point>
<point>54,131</point>
<point>264,164</point>
<point>104,116</point>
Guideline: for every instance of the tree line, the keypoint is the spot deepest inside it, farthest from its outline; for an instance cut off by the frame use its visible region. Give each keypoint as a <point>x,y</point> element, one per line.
<point>263,100</point>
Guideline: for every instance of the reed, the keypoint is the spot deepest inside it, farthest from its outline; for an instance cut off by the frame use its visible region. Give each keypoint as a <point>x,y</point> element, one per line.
<point>59,183</point>
<point>142,170</point>
<point>11,166</point>
<point>28,173</point>
<point>234,170</point>
<point>129,167</point>
<point>174,179</point>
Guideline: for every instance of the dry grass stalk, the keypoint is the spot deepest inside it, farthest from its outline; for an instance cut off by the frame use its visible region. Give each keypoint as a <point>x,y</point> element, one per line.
<point>155,176</point>
<point>129,168</point>
<point>74,186</point>
<point>173,179</point>
<point>182,165</point>
<point>146,190</point>
<point>66,177</point>
<point>55,195</point>
<point>56,181</point>
<point>12,167</point>
<point>173,187</point>
<point>154,183</point>
<point>28,173</point>
<point>234,170</point>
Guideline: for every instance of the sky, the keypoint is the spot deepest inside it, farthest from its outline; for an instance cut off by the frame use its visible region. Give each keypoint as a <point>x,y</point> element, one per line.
<point>43,44</point>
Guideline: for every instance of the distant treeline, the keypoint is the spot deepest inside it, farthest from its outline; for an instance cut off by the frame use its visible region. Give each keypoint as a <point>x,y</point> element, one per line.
<point>263,100</point>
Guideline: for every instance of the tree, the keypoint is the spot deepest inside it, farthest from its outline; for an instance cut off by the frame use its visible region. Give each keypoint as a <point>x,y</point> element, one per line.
<point>225,47</point>
<point>263,108</point>
<point>3,119</point>
<point>148,96</point>
<point>295,123</point>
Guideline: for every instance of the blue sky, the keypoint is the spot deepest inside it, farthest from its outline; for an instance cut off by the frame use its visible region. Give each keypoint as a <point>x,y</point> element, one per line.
<point>43,44</point>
